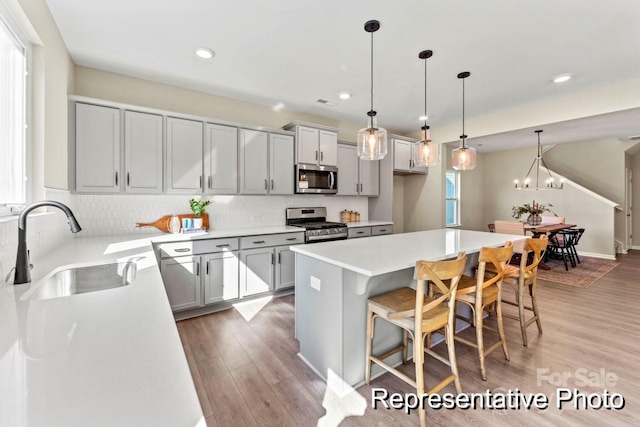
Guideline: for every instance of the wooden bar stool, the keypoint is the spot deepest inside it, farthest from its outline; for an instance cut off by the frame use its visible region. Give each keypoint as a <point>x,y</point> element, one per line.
<point>479,294</point>
<point>419,315</point>
<point>524,278</point>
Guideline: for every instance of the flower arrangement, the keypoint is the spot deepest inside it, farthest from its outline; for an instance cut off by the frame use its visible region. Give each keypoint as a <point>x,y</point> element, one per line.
<point>531,209</point>
<point>198,207</point>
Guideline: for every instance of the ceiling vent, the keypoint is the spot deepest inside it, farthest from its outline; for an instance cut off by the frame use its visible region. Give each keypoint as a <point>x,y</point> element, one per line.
<point>325,102</point>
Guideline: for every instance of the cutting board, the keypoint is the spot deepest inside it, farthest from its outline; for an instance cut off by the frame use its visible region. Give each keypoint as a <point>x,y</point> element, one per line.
<point>162,224</point>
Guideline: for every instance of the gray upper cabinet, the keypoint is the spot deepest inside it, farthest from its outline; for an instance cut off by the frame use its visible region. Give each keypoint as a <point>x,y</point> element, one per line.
<point>357,177</point>
<point>315,144</point>
<point>184,156</point>
<point>254,165</point>
<point>280,164</point>
<point>404,156</point>
<point>97,149</point>
<point>142,153</point>
<point>221,159</point>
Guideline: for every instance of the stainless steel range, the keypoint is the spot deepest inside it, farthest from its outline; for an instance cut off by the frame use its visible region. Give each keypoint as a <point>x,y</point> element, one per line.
<point>317,228</point>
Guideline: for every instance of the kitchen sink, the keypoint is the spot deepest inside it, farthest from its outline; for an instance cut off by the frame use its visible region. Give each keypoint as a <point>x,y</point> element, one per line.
<point>67,281</point>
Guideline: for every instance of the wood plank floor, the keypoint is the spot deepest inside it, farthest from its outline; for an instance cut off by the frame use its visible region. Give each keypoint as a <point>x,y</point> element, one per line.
<point>247,373</point>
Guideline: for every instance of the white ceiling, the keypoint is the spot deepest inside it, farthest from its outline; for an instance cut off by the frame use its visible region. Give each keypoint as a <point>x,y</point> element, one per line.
<point>292,52</point>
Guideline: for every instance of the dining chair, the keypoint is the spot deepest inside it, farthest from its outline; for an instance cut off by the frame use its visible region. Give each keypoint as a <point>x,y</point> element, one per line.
<point>492,228</point>
<point>580,232</point>
<point>549,220</point>
<point>509,227</point>
<point>419,315</point>
<point>524,278</point>
<point>561,246</point>
<point>484,294</point>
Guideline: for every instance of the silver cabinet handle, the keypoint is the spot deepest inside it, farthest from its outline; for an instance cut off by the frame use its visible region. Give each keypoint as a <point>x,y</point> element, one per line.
<point>357,187</point>
<point>316,154</point>
<point>272,258</point>
<point>116,177</point>
<point>265,183</point>
<point>210,181</point>
<point>128,179</point>
<point>272,184</point>
<point>279,258</point>
<point>361,188</point>
<point>207,269</point>
<point>321,155</point>
<point>383,230</point>
<point>226,245</point>
<point>359,232</point>
<point>258,241</point>
<point>182,250</point>
<point>198,268</point>
<point>200,181</point>
<point>291,239</point>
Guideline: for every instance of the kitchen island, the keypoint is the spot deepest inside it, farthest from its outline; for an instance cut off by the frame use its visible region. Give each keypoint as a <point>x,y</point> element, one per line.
<point>335,279</point>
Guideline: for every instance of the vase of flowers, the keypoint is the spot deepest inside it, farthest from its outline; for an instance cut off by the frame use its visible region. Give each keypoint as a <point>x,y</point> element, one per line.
<point>534,210</point>
<point>198,208</point>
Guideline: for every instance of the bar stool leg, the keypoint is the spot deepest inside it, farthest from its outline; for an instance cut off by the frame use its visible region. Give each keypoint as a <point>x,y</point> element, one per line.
<point>405,344</point>
<point>370,325</point>
<point>452,357</point>
<point>523,325</point>
<point>534,306</point>
<point>418,359</point>
<point>503,338</point>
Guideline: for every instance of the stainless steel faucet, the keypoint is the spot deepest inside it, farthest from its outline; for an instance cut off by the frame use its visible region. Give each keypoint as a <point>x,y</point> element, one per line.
<point>23,267</point>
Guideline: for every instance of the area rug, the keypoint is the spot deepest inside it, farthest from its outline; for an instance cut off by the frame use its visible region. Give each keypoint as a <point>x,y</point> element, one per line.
<point>582,276</point>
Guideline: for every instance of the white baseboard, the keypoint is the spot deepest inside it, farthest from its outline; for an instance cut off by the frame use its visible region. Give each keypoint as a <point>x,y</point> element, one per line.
<point>596,255</point>
<point>635,247</point>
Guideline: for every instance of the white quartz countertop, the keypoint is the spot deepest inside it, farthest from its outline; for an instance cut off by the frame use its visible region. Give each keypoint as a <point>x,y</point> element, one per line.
<point>368,223</point>
<point>372,256</point>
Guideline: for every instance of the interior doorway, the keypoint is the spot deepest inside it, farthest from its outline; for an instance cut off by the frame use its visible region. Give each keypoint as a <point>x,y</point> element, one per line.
<point>628,208</point>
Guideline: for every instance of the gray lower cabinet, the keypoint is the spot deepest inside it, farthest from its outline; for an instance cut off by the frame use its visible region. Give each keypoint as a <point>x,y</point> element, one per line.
<point>285,268</point>
<point>220,277</point>
<point>256,271</point>
<point>181,277</point>
<point>376,230</point>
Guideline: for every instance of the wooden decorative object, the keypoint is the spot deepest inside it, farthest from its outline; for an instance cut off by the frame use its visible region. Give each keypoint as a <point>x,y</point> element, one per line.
<point>162,224</point>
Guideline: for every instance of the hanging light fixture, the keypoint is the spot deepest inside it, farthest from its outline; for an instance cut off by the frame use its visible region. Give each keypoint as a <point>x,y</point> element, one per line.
<point>463,158</point>
<point>427,152</point>
<point>372,140</point>
<point>549,183</point>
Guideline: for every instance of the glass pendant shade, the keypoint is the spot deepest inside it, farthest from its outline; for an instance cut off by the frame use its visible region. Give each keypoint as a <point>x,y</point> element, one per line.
<point>372,141</point>
<point>427,153</point>
<point>463,158</point>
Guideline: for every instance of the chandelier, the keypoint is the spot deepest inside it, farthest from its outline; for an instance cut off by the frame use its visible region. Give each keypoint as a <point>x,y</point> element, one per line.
<point>547,182</point>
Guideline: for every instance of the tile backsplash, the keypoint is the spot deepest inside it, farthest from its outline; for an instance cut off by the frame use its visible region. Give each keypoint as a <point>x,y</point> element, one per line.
<point>107,215</point>
<point>101,215</point>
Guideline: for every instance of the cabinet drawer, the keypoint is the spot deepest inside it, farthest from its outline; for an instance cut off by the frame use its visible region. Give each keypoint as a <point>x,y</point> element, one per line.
<point>378,230</point>
<point>359,232</point>
<point>195,247</point>
<point>265,240</point>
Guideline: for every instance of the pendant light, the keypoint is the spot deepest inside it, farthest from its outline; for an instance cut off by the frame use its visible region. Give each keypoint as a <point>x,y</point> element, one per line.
<point>427,152</point>
<point>372,140</point>
<point>549,183</point>
<point>463,158</point>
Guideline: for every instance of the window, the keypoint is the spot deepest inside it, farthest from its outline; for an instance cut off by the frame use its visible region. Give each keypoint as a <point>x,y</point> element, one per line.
<point>13,115</point>
<point>452,196</point>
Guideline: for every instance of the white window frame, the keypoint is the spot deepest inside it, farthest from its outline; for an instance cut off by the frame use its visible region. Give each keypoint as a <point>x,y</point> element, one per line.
<point>8,21</point>
<point>456,198</point>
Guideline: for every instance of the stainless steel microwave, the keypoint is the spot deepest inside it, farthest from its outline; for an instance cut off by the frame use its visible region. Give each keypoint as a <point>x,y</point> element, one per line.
<point>314,179</point>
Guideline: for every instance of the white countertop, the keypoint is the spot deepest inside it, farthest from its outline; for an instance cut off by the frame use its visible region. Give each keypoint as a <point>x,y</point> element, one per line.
<point>372,256</point>
<point>105,358</point>
<point>368,223</point>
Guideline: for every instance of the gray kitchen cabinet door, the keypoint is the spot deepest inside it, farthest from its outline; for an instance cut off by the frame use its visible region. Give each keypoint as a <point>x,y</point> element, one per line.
<point>402,155</point>
<point>328,146</point>
<point>97,137</point>
<point>142,152</point>
<point>348,184</point>
<point>280,164</point>
<point>307,145</point>
<point>181,277</point>
<point>221,159</point>
<point>254,152</point>
<point>285,268</point>
<point>184,156</point>
<point>256,271</point>
<point>369,173</point>
<point>221,278</point>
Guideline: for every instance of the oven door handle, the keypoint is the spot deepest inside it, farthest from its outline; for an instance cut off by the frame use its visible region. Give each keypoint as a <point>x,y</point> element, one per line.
<point>331,180</point>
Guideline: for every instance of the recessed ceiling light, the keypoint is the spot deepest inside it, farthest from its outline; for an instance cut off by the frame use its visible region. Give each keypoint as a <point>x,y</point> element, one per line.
<point>205,53</point>
<point>423,118</point>
<point>562,78</point>
<point>344,95</point>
